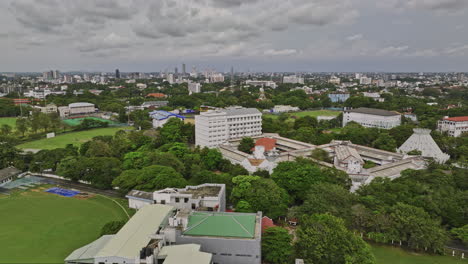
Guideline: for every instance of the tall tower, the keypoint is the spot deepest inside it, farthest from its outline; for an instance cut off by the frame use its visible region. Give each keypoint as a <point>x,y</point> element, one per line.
<point>117,74</point>
<point>183,69</point>
<point>232,76</point>
<point>176,71</point>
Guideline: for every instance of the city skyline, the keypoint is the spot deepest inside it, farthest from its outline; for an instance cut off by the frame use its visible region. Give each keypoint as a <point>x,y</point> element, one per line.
<point>260,35</point>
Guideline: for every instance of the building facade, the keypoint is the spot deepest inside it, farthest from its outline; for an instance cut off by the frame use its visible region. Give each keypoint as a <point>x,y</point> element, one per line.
<point>206,197</point>
<point>370,117</point>
<point>215,127</point>
<point>293,79</point>
<point>454,126</point>
<point>338,97</point>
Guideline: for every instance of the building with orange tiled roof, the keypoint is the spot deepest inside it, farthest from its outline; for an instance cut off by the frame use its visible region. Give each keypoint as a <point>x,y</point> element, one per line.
<point>156,95</point>
<point>454,126</point>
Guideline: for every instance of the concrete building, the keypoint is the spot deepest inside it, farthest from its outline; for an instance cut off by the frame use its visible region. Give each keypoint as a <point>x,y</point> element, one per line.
<point>365,80</point>
<point>8,174</point>
<point>270,84</point>
<point>338,97</point>
<point>454,126</point>
<point>335,80</point>
<point>161,117</point>
<point>375,96</point>
<point>204,197</point>
<point>371,117</point>
<point>215,127</point>
<point>74,109</point>
<point>216,77</point>
<point>194,87</point>
<point>232,238</point>
<point>48,109</point>
<point>284,109</point>
<point>141,240</point>
<point>422,141</point>
<point>348,159</point>
<point>38,93</point>
<point>293,79</point>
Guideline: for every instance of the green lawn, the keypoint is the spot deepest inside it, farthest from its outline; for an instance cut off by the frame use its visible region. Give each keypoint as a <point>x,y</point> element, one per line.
<point>308,113</point>
<point>75,138</point>
<point>394,255</point>
<point>38,227</point>
<point>11,121</point>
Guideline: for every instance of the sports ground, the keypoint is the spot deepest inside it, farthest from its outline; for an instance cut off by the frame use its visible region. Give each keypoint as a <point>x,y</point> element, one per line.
<point>394,255</point>
<point>41,227</point>
<point>11,121</point>
<point>308,113</point>
<point>75,138</point>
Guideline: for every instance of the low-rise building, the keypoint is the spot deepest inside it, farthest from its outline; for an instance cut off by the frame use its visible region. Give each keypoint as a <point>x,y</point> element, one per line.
<point>232,238</point>
<point>161,117</point>
<point>8,174</point>
<point>270,84</point>
<point>284,109</point>
<point>293,79</point>
<point>141,240</point>
<point>204,197</point>
<point>453,126</point>
<point>215,127</point>
<point>371,117</point>
<point>48,109</point>
<point>374,96</point>
<point>338,97</point>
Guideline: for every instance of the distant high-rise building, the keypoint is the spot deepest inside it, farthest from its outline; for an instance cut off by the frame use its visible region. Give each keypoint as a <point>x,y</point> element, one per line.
<point>183,69</point>
<point>56,74</point>
<point>48,75</point>
<point>117,74</point>
<point>176,71</point>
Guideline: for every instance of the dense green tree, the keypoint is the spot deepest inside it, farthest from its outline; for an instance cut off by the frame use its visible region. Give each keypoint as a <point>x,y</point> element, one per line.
<point>276,246</point>
<point>246,145</point>
<point>461,233</point>
<point>324,239</point>
<point>150,178</point>
<point>22,125</point>
<point>297,178</point>
<point>328,198</point>
<point>5,129</point>
<point>385,142</point>
<point>261,194</point>
<point>172,131</point>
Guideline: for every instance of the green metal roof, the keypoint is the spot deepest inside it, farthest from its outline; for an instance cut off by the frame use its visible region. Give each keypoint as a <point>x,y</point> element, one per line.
<point>221,224</point>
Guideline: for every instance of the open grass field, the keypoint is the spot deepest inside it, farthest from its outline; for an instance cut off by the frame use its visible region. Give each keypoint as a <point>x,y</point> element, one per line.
<point>11,121</point>
<point>75,138</point>
<point>308,113</point>
<point>393,255</point>
<point>77,121</point>
<point>39,227</point>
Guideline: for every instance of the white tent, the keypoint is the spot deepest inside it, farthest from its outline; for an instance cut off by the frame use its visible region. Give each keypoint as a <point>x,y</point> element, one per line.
<point>421,140</point>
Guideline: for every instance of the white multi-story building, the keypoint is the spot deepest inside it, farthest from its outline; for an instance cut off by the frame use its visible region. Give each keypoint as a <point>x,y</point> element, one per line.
<point>77,109</point>
<point>194,87</point>
<point>375,96</point>
<point>454,126</point>
<point>335,80</point>
<point>365,80</point>
<point>215,127</point>
<point>271,84</point>
<point>370,117</point>
<point>38,93</point>
<point>217,77</point>
<point>293,79</point>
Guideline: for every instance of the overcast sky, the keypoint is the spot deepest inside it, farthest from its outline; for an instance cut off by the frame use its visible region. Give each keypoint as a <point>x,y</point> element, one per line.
<point>256,35</point>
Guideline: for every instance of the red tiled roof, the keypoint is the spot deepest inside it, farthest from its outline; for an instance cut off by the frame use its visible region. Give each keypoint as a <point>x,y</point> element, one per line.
<point>457,119</point>
<point>157,95</point>
<point>266,223</point>
<point>268,143</point>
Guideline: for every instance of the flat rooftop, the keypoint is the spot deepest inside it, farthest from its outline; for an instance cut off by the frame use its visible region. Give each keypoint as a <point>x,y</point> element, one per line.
<point>216,224</point>
<point>372,111</point>
<point>204,191</point>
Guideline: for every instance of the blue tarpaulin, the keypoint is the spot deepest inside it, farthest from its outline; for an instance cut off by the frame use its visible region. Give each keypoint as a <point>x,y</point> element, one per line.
<point>63,192</point>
